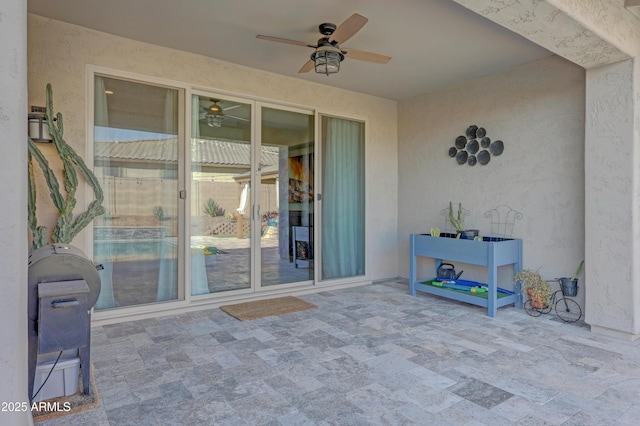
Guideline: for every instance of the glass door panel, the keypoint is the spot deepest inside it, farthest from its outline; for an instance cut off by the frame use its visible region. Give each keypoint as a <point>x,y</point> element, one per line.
<point>286,196</point>
<point>220,199</point>
<point>343,197</point>
<point>136,146</point>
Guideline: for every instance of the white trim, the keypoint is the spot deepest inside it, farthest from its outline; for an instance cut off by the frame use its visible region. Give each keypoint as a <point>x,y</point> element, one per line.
<point>184,226</point>
<point>142,78</point>
<point>172,308</point>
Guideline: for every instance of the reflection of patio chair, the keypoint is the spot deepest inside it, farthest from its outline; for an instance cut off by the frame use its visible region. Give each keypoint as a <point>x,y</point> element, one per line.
<point>302,245</point>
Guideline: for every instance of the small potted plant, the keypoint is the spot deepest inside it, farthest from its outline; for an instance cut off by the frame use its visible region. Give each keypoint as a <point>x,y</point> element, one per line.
<point>569,286</point>
<point>271,218</point>
<point>532,284</point>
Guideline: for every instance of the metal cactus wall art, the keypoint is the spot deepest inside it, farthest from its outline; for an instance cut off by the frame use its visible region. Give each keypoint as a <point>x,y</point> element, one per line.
<point>67,226</point>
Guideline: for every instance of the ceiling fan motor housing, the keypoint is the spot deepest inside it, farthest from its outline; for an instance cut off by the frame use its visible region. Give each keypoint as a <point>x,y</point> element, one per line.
<point>327,28</point>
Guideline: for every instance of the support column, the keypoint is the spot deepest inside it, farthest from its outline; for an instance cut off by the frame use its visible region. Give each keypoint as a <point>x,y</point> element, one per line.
<point>612,216</point>
<point>13,225</point>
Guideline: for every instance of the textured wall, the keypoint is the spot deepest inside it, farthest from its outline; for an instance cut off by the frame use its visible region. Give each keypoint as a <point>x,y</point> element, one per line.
<point>59,53</point>
<point>558,25</point>
<point>594,34</point>
<point>537,110</point>
<point>612,297</point>
<point>13,179</point>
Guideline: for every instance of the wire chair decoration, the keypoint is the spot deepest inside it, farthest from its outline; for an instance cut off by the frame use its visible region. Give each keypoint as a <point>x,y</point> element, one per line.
<point>448,226</point>
<point>503,219</point>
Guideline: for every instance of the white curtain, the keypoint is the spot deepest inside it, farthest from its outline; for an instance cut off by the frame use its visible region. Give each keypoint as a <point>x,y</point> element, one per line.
<point>244,196</point>
<point>101,109</point>
<point>170,108</point>
<point>343,199</point>
<point>103,252</point>
<point>195,117</point>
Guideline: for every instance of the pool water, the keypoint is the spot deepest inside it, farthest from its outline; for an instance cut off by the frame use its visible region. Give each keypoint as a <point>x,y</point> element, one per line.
<point>114,250</point>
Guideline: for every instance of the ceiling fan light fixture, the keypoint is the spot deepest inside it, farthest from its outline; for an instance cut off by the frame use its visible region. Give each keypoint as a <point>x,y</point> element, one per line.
<point>215,114</point>
<point>214,120</point>
<point>327,59</point>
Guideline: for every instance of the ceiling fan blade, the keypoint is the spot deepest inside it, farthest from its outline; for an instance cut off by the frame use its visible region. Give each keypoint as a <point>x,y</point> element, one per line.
<point>348,28</point>
<point>308,66</point>
<point>229,108</point>
<point>283,40</point>
<point>363,55</point>
<point>236,118</point>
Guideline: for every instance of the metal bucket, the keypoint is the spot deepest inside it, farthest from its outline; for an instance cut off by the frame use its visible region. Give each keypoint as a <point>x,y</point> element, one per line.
<point>469,234</point>
<point>569,287</point>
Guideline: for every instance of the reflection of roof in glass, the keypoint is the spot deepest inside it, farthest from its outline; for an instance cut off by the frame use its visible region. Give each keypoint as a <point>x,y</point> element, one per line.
<point>220,152</point>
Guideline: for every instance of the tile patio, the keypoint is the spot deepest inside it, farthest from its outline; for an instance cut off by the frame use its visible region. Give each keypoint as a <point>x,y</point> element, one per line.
<point>366,356</point>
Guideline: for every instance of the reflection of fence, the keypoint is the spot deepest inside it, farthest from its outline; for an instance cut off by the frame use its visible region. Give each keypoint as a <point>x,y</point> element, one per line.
<point>230,228</point>
<point>139,196</point>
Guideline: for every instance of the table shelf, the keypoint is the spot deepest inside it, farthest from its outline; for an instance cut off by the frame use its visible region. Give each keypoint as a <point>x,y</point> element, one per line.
<point>492,254</point>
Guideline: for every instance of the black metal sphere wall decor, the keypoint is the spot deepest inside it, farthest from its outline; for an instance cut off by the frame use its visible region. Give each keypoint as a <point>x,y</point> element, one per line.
<point>475,147</point>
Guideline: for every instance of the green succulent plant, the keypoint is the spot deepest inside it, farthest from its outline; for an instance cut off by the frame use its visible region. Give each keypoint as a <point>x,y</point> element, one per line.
<point>158,212</point>
<point>578,271</point>
<point>67,226</point>
<point>212,208</point>
<point>457,222</point>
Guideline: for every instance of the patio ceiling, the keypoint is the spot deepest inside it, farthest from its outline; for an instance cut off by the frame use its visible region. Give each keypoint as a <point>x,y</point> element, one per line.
<point>434,43</point>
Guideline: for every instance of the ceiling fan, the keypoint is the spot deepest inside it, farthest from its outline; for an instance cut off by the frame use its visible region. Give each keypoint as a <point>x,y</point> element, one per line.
<point>327,53</point>
<point>215,114</point>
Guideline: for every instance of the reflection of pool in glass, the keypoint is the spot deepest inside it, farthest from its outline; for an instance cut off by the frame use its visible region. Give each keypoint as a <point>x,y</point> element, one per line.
<point>121,250</point>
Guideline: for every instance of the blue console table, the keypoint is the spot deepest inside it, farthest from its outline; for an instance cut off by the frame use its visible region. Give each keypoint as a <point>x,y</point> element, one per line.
<point>486,253</point>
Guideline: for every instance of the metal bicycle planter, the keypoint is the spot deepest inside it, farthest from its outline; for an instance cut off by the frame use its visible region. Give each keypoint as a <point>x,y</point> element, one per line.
<point>567,309</point>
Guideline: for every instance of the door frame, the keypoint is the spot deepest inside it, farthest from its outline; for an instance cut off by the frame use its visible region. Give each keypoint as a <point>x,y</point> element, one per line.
<point>318,216</point>
<point>257,255</point>
<point>91,71</point>
<point>188,302</point>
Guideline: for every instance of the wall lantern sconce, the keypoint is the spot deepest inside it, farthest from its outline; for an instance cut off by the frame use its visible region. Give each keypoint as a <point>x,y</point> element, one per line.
<point>38,128</point>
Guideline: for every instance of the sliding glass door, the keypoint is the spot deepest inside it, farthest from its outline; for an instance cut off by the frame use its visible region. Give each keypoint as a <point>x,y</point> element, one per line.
<point>221,194</point>
<point>235,209</point>
<point>286,169</point>
<point>136,160</point>
<point>251,196</point>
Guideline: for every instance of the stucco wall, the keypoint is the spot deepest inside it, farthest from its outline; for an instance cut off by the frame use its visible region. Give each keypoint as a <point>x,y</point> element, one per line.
<point>613,237</point>
<point>59,53</point>
<point>13,179</point>
<point>537,110</point>
<point>599,36</point>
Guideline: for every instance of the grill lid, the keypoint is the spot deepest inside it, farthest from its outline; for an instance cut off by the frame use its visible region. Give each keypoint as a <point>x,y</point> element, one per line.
<point>60,262</point>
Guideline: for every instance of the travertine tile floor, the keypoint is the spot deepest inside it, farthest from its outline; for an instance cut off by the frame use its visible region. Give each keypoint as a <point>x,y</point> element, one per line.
<point>366,356</point>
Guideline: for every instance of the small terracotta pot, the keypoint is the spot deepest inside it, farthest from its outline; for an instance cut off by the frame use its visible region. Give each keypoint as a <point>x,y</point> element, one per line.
<point>536,301</point>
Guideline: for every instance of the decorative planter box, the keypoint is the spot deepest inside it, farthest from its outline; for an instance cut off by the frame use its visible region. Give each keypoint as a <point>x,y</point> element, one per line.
<point>491,252</point>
